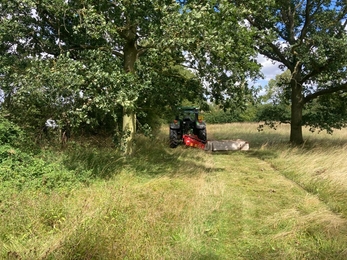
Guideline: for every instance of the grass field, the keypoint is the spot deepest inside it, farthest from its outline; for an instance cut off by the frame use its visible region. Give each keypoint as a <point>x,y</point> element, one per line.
<point>275,201</point>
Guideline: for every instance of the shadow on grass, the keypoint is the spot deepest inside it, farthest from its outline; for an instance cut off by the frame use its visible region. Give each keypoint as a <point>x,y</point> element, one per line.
<point>151,158</point>
<point>155,158</point>
<point>207,256</point>
<point>280,137</point>
<point>263,154</point>
<point>326,143</point>
<point>268,144</point>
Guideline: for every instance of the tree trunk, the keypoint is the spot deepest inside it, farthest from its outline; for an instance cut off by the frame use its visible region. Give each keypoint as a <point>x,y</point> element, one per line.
<point>129,115</point>
<point>130,56</point>
<point>129,129</point>
<point>296,113</point>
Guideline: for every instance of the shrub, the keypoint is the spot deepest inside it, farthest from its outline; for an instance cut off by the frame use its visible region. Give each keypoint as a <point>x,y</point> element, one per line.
<point>10,133</point>
<point>22,171</point>
<point>217,115</point>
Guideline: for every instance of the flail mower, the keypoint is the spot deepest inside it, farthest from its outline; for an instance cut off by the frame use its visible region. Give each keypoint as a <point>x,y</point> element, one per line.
<point>189,128</point>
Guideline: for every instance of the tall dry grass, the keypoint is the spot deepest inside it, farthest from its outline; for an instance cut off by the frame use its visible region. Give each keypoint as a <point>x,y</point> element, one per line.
<point>272,202</point>
<point>319,164</point>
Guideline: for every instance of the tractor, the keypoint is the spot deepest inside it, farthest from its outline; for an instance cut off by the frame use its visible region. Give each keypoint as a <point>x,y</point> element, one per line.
<point>188,123</point>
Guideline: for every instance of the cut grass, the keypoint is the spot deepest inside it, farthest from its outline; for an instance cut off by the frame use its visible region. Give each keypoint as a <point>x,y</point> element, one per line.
<point>188,204</point>
<point>318,166</point>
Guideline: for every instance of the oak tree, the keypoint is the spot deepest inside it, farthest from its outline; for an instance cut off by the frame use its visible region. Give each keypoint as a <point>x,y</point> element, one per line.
<point>309,38</point>
<point>97,57</point>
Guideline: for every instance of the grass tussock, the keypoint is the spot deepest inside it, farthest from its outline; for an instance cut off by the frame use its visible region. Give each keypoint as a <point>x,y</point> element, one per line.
<point>275,201</point>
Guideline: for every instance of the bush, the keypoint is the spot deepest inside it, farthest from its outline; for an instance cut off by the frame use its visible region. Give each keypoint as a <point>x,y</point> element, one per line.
<point>274,113</point>
<point>10,133</point>
<point>21,169</point>
<point>39,176</point>
<point>217,115</point>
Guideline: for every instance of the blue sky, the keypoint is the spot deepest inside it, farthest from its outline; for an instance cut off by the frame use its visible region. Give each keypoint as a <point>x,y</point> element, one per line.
<point>269,69</point>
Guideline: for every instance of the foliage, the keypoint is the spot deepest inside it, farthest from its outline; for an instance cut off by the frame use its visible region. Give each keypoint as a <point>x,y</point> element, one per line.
<point>22,169</point>
<point>96,61</point>
<point>277,91</point>
<point>275,102</point>
<point>327,112</point>
<point>10,134</point>
<point>217,115</point>
<point>272,115</point>
<point>221,51</point>
<point>309,39</point>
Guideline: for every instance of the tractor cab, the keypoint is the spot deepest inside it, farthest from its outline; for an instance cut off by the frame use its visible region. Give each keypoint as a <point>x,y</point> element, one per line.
<point>188,121</point>
<point>189,129</point>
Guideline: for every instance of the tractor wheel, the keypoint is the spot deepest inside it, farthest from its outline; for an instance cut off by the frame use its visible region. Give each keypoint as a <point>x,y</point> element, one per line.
<point>202,135</point>
<point>173,138</point>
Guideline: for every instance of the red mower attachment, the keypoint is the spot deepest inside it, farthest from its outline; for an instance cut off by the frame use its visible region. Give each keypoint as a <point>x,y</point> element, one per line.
<point>214,146</point>
<point>193,141</point>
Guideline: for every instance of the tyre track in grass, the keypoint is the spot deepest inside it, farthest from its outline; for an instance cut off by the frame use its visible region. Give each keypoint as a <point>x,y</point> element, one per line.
<point>312,186</point>
<point>262,214</point>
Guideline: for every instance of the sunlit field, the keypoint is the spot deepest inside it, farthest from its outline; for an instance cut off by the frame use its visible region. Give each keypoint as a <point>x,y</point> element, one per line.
<point>319,164</point>
<point>275,201</point>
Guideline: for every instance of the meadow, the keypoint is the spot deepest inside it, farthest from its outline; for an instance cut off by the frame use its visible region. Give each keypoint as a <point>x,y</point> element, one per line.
<point>275,201</point>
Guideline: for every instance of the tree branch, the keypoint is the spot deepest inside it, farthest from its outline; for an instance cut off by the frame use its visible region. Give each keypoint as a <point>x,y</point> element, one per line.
<point>142,49</point>
<point>118,53</point>
<point>279,56</point>
<point>317,71</point>
<point>312,96</point>
<point>307,21</point>
<point>101,48</point>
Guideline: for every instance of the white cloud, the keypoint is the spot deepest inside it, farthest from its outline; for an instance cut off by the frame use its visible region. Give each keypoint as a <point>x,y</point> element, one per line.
<point>269,68</point>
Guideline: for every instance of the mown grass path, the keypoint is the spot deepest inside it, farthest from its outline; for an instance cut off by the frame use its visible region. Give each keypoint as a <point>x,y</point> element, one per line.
<point>256,213</point>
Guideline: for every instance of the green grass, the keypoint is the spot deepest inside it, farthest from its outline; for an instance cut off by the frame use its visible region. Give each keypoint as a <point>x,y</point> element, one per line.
<point>272,202</point>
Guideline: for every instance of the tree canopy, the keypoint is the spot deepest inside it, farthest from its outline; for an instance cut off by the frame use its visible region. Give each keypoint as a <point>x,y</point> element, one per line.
<point>116,59</point>
<point>309,38</point>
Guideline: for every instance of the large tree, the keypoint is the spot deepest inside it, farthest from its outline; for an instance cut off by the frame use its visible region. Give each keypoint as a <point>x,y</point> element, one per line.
<point>99,56</point>
<point>309,38</point>
<point>86,52</point>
